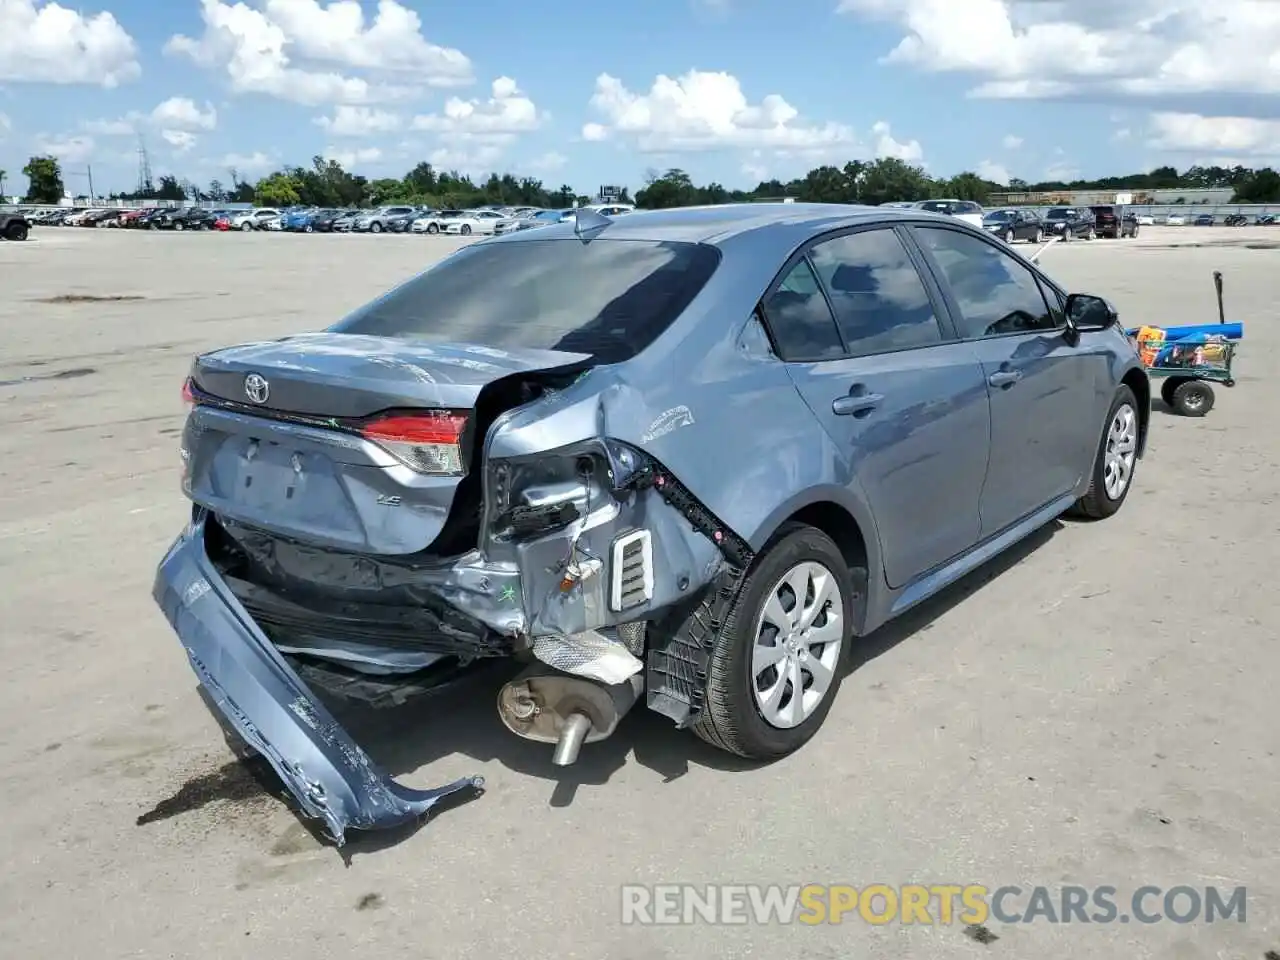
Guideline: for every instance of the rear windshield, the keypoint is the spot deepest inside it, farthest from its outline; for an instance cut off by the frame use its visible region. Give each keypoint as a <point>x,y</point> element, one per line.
<point>1102,211</point>
<point>1061,213</point>
<point>606,298</point>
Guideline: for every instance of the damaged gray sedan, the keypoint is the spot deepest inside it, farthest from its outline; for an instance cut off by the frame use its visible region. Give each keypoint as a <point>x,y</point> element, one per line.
<point>679,459</point>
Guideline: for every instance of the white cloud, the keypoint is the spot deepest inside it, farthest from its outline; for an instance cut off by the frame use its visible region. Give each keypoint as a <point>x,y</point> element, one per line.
<point>5,124</point>
<point>548,162</point>
<point>353,121</point>
<point>303,51</point>
<point>181,113</point>
<point>1062,171</point>
<point>180,140</point>
<point>48,43</point>
<point>256,162</point>
<point>73,150</point>
<point>994,172</point>
<point>704,110</point>
<point>124,127</point>
<point>1192,133</point>
<point>1047,48</point>
<point>353,158</point>
<point>506,113</point>
<point>886,146</point>
<point>1011,141</point>
<point>480,159</point>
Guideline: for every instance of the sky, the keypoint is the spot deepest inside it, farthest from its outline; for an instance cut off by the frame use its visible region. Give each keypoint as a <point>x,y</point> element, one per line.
<point>588,94</point>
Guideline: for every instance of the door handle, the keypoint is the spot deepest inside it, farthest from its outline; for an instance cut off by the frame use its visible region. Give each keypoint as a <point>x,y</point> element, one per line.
<point>1004,378</point>
<point>855,404</point>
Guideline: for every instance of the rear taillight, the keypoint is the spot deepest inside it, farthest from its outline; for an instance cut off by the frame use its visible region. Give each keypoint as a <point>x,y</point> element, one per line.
<point>188,395</point>
<point>429,442</point>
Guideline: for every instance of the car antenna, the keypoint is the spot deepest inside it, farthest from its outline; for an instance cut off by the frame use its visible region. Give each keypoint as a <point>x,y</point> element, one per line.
<point>588,223</point>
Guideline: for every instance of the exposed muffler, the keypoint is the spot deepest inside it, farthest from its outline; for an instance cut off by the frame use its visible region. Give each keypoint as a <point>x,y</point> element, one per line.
<point>546,705</point>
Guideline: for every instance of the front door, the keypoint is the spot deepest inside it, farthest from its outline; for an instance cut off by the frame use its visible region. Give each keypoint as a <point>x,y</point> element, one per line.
<point>1042,389</point>
<point>907,410</point>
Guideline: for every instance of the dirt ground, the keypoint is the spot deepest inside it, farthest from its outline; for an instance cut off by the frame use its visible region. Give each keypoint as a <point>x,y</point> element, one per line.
<point>1098,708</point>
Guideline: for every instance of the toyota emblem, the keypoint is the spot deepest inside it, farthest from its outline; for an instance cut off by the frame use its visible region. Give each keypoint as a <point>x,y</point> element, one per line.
<point>256,388</point>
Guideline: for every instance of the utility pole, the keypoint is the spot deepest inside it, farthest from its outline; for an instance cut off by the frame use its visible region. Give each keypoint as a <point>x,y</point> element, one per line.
<point>89,172</point>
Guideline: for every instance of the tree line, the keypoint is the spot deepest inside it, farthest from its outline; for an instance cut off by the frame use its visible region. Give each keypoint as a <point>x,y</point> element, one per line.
<point>326,183</point>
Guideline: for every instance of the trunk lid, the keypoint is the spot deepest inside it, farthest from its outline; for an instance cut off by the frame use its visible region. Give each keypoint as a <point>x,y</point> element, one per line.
<point>351,442</point>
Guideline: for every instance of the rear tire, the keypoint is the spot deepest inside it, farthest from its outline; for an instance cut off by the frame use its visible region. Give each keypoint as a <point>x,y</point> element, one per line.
<point>1111,478</point>
<point>375,227</point>
<point>1067,235</point>
<point>762,719</point>
<point>17,232</point>
<point>1167,386</point>
<point>246,227</point>
<point>1039,237</point>
<point>1008,237</point>
<point>1193,398</point>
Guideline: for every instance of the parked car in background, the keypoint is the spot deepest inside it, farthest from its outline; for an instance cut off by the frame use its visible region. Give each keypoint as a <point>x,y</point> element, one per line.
<point>1014,224</point>
<point>475,221</point>
<point>324,220</point>
<point>14,226</point>
<point>519,454</point>
<point>1204,220</point>
<point>545,218</point>
<point>1116,222</point>
<point>965,210</point>
<point>1235,220</point>
<point>1146,220</point>
<point>435,222</point>
<point>1265,220</point>
<point>1175,220</point>
<point>346,222</point>
<point>375,221</point>
<point>249,220</point>
<point>1071,223</point>
<point>403,222</point>
<point>155,219</point>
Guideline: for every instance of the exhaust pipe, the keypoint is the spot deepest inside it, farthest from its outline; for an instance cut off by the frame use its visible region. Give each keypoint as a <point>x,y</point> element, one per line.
<point>548,706</point>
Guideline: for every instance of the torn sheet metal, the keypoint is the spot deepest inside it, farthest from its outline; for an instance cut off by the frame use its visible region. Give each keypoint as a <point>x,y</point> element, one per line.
<point>261,697</point>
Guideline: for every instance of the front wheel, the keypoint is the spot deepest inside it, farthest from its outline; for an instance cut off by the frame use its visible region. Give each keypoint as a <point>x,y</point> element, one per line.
<point>1112,474</point>
<point>246,227</point>
<point>1039,237</point>
<point>780,655</point>
<point>466,229</point>
<point>375,227</point>
<point>1008,236</point>
<point>1092,234</point>
<point>433,228</point>
<point>1193,398</point>
<point>1067,236</point>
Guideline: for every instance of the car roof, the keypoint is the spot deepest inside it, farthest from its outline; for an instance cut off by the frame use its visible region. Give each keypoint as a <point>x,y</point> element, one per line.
<point>722,224</point>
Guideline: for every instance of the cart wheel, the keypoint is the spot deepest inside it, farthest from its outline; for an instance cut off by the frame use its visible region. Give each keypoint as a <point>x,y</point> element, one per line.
<point>1168,386</point>
<point>1194,398</point>
<point>1228,383</point>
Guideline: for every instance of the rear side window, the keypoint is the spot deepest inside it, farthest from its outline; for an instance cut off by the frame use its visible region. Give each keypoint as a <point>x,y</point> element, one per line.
<point>996,294</point>
<point>607,298</point>
<point>800,320</point>
<point>878,297</point>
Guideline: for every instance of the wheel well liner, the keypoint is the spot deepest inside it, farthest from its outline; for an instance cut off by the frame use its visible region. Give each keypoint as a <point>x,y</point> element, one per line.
<point>1138,381</point>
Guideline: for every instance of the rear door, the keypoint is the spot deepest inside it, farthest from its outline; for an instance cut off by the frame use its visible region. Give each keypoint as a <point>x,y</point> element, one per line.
<point>1042,389</point>
<point>905,404</point>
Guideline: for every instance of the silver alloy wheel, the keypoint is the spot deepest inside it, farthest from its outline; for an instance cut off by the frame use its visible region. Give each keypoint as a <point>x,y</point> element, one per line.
<point>1039,235</point>
<point>1122,449</point>
<point>1008,236</point>
<point>797,644</point>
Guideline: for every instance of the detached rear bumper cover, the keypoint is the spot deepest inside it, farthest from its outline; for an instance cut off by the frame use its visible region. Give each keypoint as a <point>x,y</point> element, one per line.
<point>261,697</point>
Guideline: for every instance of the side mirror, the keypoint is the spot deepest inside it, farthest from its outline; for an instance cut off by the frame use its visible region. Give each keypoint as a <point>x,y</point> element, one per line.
<point>1087,312</point>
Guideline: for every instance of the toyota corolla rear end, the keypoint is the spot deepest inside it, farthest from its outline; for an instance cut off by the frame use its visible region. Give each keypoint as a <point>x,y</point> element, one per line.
<point>382,506</point>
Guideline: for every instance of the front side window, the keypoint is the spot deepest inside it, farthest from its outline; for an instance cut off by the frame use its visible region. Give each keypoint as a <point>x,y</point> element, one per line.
<point>609,298</point>
<point>996,294</point>
<point>879,300</point>
<point>799,318</point>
